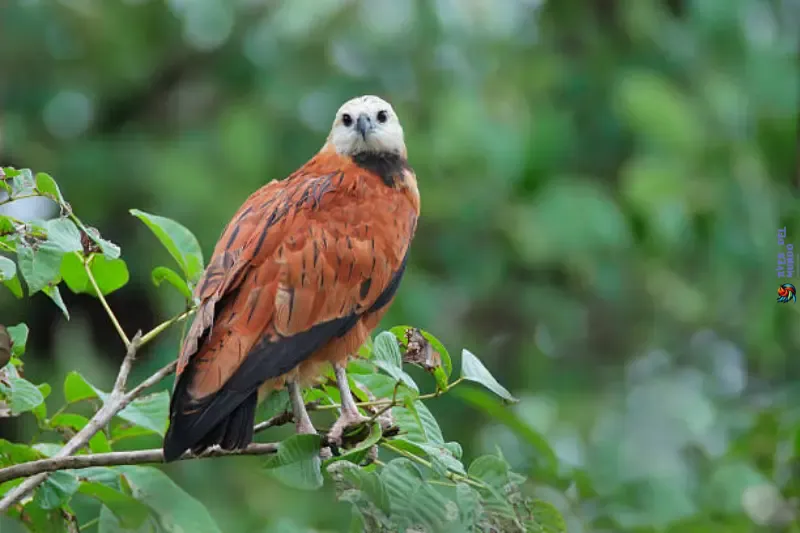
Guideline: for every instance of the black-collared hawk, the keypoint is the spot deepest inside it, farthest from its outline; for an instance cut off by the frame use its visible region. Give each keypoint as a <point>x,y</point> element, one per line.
<point>300,277</point>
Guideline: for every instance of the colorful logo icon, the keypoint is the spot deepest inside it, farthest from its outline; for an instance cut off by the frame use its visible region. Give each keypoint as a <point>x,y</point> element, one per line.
<point>787,293</point>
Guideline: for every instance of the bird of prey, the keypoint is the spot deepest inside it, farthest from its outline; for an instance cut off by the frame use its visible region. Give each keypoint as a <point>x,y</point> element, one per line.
<point>300,277</point>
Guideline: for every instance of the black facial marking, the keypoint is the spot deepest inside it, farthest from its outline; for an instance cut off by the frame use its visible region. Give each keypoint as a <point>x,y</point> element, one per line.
<point>389,167</point>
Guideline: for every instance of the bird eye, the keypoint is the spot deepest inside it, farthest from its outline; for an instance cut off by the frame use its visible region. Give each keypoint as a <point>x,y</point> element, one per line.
<point>382,116</point>
<point>347,120</point>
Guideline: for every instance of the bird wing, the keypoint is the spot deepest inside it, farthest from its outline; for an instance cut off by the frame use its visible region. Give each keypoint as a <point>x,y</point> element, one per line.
<point>299,264</point>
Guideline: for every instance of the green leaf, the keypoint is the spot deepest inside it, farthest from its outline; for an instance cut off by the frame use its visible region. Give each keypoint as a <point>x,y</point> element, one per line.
<point>418,423</point>
<point>358,453</point>
<point>385,349</point>
<point>76,388</point>
<point>98,443</point>
<point>151,412</point>
<point>413,501</point>
<point>39,267</point>
<point>110,274</point>
<point>176,510</point>
<point>63,234</point>
<point>441,456</point>
<point>370,484</point>
<point>162,274</point>
<point>491,469</point>
<point>19,338</point>
<point>105,475</point>
<point>469,504</point>
<point>7,269</point>
<point>69,420</point>
<point>74,275</point>
<point>387,357</point>
<point>25,396</point>
<point>6,225</point>
<point>493,407</point>
<point>54,294</point>
<point>444,355</point>
<point>13,453</point>
<point>46,185</point>
<point>436,344</point>
<point>129,512</point>
<point>473,370</point>
<point>443,459</point>
<point>108,523</point>
<point>382,386</point>
<point>40,520</point>
<point>40,411</point>
<point>22,183</point>
<point>109,249</point>
<point>57,490</point>
<point>14,286</point>
<point>297,463</point>
<point>123,431</point>
<point>543,517</point>
<point>48,449</point>
<point>179,242</point>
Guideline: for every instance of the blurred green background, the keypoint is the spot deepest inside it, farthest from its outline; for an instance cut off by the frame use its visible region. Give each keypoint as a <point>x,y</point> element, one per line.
<point>602,183</point>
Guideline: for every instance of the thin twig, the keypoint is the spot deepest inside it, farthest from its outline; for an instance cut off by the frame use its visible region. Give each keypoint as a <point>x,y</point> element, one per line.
<point>89,524</point>
<point>138,457</point>
<point>103,301</point>
<point>450,475</point>
<point>160,374</point>
<point>277,420</point>
<point>150,335</point>
<point>127,364</point>
<point>392,402</point>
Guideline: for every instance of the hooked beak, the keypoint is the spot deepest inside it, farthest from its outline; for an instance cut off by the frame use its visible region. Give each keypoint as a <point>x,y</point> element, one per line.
<point>363,125</point>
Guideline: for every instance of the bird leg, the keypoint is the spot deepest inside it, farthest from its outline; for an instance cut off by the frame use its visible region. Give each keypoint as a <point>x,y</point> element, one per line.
<point>302,421</point>
<point>350,415</point>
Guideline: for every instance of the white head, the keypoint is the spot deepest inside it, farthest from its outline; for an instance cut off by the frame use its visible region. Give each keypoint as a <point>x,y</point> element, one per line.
<point>366,124</point>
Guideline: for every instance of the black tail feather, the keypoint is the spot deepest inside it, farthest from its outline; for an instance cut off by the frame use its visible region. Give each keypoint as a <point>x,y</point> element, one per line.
<point>235,431</point>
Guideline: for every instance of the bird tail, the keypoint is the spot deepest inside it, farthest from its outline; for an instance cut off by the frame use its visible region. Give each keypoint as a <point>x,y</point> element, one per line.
<point>189,427</point>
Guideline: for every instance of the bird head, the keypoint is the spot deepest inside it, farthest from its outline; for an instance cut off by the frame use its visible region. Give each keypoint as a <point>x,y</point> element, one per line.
<point>366,124</point>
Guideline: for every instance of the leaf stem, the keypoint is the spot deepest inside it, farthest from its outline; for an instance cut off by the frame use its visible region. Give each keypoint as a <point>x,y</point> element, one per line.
<point>153,333</point>
<point>424,462</point>
<point>11,199</point>
<point>90,523</point>
<point>103,301</point>
<point>391,402</point>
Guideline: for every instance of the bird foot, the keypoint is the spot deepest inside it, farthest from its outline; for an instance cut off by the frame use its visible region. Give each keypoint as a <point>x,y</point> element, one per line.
<point>345,421</point>
<point>304,427</point>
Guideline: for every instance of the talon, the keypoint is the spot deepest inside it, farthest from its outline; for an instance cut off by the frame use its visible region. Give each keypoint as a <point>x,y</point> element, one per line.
<point>344,422</point>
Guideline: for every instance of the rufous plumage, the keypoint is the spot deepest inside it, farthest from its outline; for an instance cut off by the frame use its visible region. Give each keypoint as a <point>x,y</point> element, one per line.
<point>300,277</point>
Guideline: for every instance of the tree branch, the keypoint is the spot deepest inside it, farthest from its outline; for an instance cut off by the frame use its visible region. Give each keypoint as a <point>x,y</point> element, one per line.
<point>117,401</point>
<point>43,466</point>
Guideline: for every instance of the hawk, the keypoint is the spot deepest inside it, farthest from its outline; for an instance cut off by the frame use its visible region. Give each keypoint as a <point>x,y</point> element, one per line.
<point>300,277</point>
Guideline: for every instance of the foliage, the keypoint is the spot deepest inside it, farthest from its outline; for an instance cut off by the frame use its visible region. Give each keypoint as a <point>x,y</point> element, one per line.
<point>423,484</point>
<point>601,186</point>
